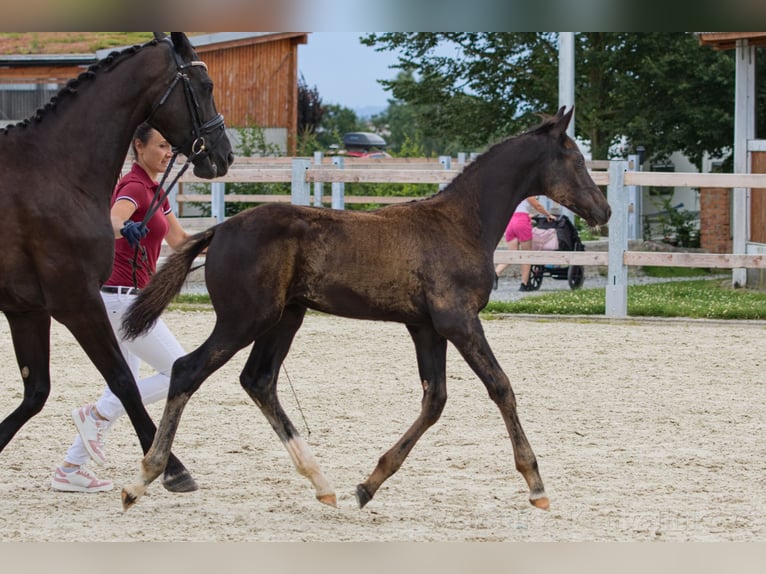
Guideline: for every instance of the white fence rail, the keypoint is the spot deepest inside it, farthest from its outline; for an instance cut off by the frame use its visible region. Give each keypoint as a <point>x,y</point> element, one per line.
<point>302,174</point>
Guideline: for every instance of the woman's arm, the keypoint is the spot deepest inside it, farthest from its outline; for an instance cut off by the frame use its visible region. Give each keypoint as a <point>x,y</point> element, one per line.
<point>176,235</point>
<point>539,207</point>
<point>119,214</point>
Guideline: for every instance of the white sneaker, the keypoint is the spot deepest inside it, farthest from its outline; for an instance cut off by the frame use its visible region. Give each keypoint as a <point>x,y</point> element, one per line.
<point>80,480</point>
<point>93,432</point>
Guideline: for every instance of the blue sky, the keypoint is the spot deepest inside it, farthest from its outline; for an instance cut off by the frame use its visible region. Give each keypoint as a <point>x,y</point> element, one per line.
<point>345,71</point>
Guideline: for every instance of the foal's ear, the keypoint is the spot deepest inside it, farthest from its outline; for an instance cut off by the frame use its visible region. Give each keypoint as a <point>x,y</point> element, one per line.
<point>159,35</point>
<point>562,121</point>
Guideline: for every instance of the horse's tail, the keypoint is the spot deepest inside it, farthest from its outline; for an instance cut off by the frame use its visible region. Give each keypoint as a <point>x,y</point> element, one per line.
<point>164,286</point>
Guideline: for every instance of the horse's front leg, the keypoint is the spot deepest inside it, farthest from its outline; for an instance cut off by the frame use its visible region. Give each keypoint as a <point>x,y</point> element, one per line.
<point>31,340</point>
<point>95,335</point>
<point>468,337</point>
<point>431,351</point>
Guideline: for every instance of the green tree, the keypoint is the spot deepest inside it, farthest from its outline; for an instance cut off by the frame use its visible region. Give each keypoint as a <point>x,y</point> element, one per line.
<point>310,109</point>
<point>659,90</point>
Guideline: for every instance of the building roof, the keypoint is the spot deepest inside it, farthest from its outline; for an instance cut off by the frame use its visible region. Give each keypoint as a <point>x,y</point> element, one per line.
<point>728,40</point>
<point>83,48</point>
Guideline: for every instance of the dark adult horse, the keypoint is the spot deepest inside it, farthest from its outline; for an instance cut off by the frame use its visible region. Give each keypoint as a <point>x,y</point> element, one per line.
<point>58,172</point>
<point>427,264</point>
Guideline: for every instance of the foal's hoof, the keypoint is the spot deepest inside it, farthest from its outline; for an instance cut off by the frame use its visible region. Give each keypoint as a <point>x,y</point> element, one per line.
<point>542,502</point>
<point>328,499</point>
<point>362,495</point>
<point>181,482</point>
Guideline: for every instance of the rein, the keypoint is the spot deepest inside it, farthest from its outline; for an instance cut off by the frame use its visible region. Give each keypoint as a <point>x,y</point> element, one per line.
<point>197,146</point>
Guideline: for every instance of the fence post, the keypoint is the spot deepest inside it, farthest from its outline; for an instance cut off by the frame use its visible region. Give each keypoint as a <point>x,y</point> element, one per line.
<point>446,162</point>
<point>338,187</point>
<point>173,199</point>
<point>617,278</point>
<point>300,189</point>
<point>217,201</point>
<point>318,155</point>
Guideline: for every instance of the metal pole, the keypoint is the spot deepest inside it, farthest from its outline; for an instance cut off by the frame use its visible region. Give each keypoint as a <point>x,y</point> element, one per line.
<point>566,91</point>
<point>744,125</point>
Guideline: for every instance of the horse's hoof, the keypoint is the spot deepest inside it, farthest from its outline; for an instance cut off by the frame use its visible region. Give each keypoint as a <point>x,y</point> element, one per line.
<point>182,482</point>
<point>328,499</point>
<point>542,503</point>
<point>362,495</point>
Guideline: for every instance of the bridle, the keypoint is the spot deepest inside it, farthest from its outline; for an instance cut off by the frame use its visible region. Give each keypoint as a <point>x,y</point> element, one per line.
<point>199,129</point>
<point>197,145</point>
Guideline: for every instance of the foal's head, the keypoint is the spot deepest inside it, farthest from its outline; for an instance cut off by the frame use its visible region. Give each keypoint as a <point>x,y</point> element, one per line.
<point>564,178</point>
<point>187,115</point>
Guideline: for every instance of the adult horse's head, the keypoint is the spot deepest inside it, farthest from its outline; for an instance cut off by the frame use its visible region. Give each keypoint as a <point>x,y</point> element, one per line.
<point>186,114</point>
<point>565,179</point>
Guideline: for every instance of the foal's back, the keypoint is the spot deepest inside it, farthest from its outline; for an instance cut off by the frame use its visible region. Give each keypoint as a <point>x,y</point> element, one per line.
<point>382,264</point>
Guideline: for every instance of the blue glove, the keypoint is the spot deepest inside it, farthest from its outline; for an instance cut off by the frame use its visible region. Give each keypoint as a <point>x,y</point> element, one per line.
<point>134,231</point>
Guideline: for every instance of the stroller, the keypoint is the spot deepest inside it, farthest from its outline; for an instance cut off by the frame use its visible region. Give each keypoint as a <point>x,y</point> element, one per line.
<point>557,235</point>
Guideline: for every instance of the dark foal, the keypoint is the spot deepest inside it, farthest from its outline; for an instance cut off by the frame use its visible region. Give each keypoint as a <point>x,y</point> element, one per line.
<point>59,169</point>
<point>427,264</point>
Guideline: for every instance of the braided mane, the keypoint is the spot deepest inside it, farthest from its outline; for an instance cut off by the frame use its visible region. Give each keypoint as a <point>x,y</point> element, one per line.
<point>71,87</point>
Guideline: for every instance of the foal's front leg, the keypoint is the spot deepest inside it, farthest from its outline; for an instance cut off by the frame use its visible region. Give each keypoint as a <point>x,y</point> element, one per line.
<point>431,350</point>
<point>470,341</point>
<point>189,372</point>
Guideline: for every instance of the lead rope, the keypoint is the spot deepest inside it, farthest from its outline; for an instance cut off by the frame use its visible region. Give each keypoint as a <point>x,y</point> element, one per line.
<point>160,195</point>
<point>300,409</point>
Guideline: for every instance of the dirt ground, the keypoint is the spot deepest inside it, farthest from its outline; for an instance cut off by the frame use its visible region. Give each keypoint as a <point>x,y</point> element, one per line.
<point>644,430</point>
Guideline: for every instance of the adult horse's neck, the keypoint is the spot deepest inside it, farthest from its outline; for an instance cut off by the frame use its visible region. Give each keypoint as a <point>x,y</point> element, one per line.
<point>491,188</point>
<point>88,127</point>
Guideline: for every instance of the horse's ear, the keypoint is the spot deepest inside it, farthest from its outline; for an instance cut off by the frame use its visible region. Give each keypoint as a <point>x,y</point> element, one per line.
<point>182,45</point>
<point>159,35</point>
<point>562,121</point>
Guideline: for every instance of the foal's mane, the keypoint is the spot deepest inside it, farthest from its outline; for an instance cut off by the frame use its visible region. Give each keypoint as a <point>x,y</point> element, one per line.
<point>71,87</point>
<point>546,123</point>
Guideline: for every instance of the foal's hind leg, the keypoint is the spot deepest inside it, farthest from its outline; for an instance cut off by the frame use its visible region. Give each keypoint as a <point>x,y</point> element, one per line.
<point>468,337</point>
<point>259,379</point>
<point>31,340</point>
<point>431,350</point>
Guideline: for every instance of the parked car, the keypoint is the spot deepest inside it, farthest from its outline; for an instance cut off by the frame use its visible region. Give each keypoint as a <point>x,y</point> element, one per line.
<point>364,144</point>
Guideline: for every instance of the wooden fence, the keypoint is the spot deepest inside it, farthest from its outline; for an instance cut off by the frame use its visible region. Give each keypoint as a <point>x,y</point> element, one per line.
<point>303,173</point>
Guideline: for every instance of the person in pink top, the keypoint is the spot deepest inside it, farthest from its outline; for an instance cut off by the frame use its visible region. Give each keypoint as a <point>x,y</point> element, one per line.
<point>131,201</point>
<point>518,235</point>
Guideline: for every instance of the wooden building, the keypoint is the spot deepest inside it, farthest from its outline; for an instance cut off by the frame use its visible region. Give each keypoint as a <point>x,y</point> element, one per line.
<point>745,208</point>
<point>255,76</point>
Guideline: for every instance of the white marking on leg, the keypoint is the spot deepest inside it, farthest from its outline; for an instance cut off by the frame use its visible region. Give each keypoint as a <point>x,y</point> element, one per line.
<point>307,466</point>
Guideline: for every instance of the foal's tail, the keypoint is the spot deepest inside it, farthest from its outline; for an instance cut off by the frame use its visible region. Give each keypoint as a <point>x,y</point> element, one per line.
<point>164,285</point>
